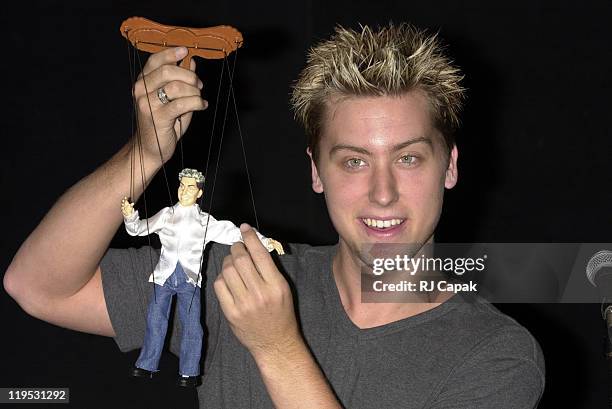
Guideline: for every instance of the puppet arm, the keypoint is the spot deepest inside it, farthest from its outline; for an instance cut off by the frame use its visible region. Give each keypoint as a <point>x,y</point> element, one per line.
<point>226,232</point>
<point>137,227</point>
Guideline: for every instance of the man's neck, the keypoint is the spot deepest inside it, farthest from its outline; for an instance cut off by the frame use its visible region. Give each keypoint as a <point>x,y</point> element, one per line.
<point>347,275</point>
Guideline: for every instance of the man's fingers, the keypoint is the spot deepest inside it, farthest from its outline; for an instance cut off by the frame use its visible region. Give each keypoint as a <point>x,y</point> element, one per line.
<point>241,260</point>
<point>172,109</point>
<point>224,295</point>
<point>261,258</point>
<point>184,105</point>
<point>162,76</point>
<point>183,99</point>
<point>174,90</point>
<point>232,279</point>
<point>169,56</point>
<point>182,123</point>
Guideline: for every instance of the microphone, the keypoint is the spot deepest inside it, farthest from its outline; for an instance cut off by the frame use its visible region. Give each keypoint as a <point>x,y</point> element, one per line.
<point>599,273</point>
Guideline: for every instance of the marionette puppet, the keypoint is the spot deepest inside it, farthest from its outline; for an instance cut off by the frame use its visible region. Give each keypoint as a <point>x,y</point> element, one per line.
<point>184,229</point>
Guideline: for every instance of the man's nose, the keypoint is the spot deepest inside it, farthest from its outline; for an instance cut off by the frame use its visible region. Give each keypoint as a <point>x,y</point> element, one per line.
<point>383,186</point>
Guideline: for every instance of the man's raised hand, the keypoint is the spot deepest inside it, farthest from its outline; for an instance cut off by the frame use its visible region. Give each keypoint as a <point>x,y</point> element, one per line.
<point>172,108</point>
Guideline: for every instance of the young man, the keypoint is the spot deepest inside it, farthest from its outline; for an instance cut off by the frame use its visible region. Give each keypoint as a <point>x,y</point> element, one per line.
<point>379,108</point>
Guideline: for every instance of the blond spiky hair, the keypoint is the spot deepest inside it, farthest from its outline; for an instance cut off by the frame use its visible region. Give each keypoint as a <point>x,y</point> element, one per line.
<point>390,61</point>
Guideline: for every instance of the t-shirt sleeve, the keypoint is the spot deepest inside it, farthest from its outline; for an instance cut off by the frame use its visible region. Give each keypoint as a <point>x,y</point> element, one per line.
<point>125,274</point>
<point>505,370</point>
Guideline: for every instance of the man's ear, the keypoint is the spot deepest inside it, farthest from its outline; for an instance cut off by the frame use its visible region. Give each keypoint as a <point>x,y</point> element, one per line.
<point>200,193</point>
<point>452,174</point>
<point>317,185</point>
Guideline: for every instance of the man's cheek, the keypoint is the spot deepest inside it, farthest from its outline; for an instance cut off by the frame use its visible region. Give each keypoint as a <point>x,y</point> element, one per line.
<point>347,191</point>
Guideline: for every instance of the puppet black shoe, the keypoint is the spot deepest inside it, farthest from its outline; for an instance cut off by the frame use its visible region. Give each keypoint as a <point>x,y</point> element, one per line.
<point>141,373</point>
<point>189,381</point>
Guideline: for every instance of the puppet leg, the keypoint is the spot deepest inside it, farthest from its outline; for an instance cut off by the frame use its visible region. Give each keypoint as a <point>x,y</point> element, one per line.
<point>191,329</point>
<point>157,324</point>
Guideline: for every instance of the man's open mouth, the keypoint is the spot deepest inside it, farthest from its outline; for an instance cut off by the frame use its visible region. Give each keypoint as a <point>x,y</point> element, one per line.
<point>382,224</point>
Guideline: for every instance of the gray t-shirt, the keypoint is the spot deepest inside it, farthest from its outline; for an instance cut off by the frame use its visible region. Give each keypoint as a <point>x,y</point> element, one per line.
<point>457,355</point>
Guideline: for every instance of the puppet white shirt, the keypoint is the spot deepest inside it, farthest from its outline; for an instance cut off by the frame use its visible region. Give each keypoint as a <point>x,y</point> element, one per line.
<point>181,230</point>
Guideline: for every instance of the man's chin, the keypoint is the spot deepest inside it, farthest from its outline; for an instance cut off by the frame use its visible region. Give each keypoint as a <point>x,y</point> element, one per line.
<point>368,252</point>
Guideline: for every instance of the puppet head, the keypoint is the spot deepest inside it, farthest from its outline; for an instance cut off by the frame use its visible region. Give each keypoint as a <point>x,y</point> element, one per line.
<point>190,188</point>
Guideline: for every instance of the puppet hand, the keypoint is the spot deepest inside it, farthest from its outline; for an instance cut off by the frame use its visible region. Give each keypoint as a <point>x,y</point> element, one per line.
<point>182,88</point>
<point>127,208</point>
<point>256,299</point>
<point>272,245</point>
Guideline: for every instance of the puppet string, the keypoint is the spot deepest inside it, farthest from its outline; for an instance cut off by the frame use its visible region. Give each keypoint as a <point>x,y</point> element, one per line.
<point>223,67</point>
<point>132,136</point>
<point>180,125</point>
<point>246,166</point>
<point>210,143</point>
<point>161,155</point>
<point>163,166</point>
<point>222,135</point>
<point>137,143</point>
<point>231,94</point>
<point>135,139</point>
<point>146,209</point>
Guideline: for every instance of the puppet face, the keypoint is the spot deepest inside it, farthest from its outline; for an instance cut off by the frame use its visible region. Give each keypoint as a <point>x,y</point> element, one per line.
<point>383,168</point>
<point>188,191</point>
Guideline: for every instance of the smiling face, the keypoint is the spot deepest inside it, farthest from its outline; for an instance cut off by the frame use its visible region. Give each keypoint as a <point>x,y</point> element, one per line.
<point>383,168</point>
<point>188,191</point>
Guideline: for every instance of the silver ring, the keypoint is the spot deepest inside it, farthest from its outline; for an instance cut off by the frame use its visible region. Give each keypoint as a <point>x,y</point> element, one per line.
<point>163,97</point>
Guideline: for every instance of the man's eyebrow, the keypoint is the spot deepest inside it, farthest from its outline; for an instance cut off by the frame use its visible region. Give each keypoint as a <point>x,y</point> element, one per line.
<point>340,147</point>
<point>402,145</point>
<point>344,147</point>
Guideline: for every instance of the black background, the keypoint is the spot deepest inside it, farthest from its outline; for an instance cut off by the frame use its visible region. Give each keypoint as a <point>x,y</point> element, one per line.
<point>534,154</point>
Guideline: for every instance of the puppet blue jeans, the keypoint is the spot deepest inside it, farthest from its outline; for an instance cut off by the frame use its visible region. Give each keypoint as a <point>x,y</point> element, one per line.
<point>157,324</point>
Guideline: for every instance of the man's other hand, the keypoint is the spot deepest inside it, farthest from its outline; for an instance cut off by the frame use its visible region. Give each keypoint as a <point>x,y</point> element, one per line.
<point>256,299</point>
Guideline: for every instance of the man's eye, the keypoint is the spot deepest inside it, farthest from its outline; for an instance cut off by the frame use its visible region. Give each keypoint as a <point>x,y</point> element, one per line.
<point>408,159</point>
<point>354,163</point>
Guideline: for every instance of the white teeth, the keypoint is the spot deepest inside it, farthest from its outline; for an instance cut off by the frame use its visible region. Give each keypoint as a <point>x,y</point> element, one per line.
<point>382,224</point>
